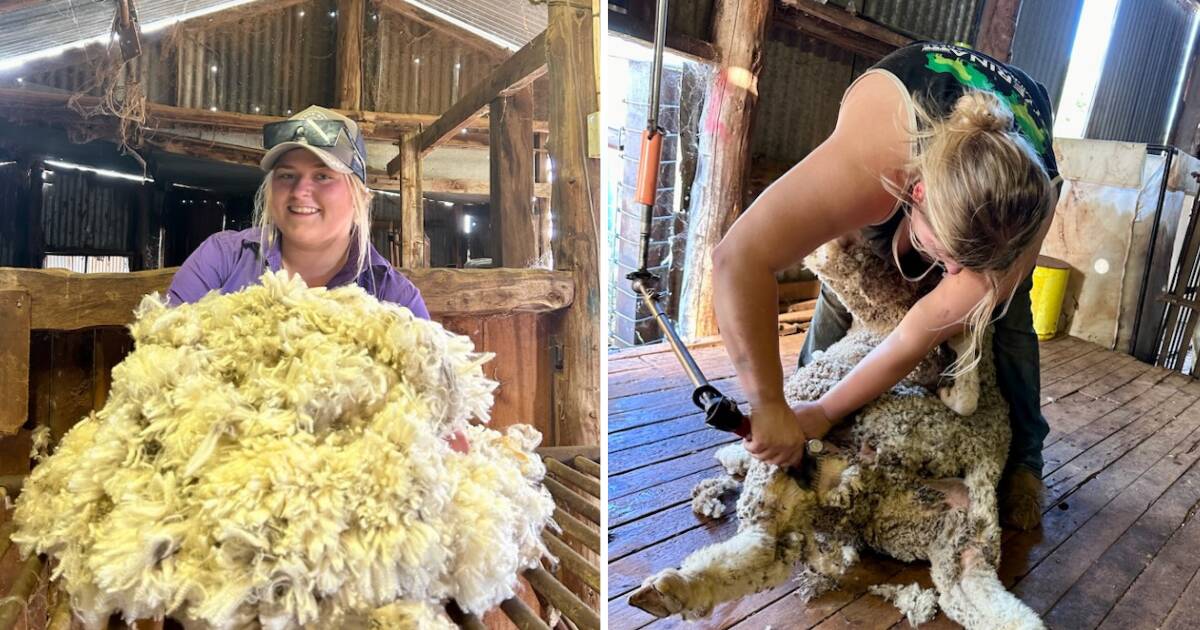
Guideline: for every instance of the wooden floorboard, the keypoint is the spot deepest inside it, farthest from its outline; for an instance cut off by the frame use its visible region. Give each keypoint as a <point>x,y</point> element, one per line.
<point>1118,545</point>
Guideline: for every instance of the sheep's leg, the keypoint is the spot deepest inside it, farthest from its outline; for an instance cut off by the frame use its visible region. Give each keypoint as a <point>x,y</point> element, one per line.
<point>751,561</point>
<point>964,555</point>
<point>961,396</point>
<point>968,588</point>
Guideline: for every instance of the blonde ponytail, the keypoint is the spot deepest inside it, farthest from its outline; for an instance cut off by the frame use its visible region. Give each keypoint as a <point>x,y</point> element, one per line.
<point>987,196</point>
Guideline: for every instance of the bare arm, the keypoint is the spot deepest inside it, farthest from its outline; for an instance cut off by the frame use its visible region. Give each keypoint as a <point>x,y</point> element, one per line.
<point>932,320</point>
<point>835,190</point>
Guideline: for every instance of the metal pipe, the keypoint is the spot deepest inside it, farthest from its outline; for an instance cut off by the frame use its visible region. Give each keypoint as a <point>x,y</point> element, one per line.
<point>685,358</point>
<point>1169,152</point>
<point>660,38</point>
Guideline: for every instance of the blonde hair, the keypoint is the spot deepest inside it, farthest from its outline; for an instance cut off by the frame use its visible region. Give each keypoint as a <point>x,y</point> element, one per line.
<point>987,196</point>
<point>360,229</point>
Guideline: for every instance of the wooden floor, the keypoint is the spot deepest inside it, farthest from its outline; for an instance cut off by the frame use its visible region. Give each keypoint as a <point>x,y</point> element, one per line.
<point>1119,547</point>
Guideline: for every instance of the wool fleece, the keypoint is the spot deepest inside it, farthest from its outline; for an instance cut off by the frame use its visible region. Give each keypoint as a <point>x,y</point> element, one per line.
<point>276,458</point>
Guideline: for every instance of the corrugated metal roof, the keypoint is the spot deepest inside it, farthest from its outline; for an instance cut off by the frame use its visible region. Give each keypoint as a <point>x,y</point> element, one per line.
<point>513,22</point>
<point>1145,56</point>
<point>56,23</point>
<point>1043,41</point>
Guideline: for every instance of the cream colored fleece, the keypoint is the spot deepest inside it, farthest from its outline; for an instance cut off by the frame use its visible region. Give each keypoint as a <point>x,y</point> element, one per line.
<point>276,456</point>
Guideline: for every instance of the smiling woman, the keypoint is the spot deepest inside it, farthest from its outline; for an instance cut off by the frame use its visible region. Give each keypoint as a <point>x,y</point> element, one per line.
<point>312,219</point>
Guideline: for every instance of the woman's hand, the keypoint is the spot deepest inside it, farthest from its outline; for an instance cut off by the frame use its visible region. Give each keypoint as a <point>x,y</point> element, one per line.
<point>778,432</point>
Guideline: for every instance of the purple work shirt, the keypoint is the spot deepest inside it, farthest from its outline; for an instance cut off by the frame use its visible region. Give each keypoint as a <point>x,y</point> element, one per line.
<point>228,262</point>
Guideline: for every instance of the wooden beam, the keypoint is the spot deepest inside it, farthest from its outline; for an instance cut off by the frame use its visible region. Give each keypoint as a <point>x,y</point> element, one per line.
<point>997,28</point>
<point>575,200</point>
<point>53,106</point>
<point>349,54</point>
<point>510,167</point>
<point>631,27</point>
<point>64,300</point>
<point>718,192</point>
<point>830,33</point>
<point>515,74</point>
<point>14,359</point>
<point>841,18</point>
<point>412,206</point>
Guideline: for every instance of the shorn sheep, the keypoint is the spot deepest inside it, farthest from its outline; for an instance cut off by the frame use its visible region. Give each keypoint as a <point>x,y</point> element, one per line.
<point>276,458</point>
<point>908,476</point>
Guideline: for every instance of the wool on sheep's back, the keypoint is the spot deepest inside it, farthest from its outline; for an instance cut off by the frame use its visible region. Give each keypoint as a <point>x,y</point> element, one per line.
<point>277,456</point>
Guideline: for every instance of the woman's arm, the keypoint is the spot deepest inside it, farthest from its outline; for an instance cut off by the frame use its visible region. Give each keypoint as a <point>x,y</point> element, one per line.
<point>932,320</point>
<point>837,189</point>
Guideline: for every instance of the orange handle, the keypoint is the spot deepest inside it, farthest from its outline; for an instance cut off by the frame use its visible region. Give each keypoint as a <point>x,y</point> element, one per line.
<point>647,176</point>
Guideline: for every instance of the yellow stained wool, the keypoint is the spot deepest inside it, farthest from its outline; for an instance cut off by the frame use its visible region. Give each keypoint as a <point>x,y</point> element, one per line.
<point>277,456</point>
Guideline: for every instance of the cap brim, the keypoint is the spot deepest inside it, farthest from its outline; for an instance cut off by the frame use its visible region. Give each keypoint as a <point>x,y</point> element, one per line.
<point>277,151</point>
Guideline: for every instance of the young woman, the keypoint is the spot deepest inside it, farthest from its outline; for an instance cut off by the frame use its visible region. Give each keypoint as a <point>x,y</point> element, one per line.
<point>941,160</point>
<point>313,219</point>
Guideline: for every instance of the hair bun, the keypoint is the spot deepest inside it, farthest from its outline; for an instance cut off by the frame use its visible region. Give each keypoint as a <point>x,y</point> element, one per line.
<point>981,111</point>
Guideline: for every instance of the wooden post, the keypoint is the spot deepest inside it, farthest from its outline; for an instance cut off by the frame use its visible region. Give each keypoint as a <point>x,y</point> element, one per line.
<point>575,199</point>
<point>349,54</point>
<point>14,360</point>
<point>718,193</point>
<point>511,167</point>
<point>997,27</point>
<point>412,208</point>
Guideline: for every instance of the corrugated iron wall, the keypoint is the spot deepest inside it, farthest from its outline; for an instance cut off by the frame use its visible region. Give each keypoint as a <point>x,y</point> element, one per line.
<point>423,71</point>
<point>800,91</point>
<point>1043,41</point>
<point>803,78</point>
<point>81,211</point>
<point>1145,56</point>
<point>12,228</point>
<point>691,17</point>
<point>276,62</point>
<point>157,78</point>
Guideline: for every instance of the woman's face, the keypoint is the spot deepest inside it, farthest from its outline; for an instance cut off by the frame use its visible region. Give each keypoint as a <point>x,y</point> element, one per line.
<point>311,204</point>
<point>924,239</point>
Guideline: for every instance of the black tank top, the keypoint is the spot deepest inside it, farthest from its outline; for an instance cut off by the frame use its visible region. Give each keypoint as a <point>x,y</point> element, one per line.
<point>936,75</point>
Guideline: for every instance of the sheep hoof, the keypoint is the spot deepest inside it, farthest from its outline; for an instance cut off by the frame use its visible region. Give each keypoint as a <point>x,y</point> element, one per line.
<point>653,595</point>
<point>958,399</point>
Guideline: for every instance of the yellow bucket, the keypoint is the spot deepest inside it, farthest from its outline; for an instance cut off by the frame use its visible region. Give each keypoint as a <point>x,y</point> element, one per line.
<point>1049,287</point>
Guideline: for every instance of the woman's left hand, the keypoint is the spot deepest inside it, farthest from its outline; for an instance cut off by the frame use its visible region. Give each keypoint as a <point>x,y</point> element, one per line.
<point>812,419</point>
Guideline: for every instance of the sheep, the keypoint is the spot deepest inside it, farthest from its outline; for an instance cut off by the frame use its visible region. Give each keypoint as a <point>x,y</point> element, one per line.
<point>276,458</point>
<point>908,476</point>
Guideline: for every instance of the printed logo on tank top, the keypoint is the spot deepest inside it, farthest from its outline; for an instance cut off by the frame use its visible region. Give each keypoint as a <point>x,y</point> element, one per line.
<point>972,70</point>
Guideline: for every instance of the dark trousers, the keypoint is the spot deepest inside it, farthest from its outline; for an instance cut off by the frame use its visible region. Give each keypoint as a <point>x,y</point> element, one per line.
<point>1014,348</point>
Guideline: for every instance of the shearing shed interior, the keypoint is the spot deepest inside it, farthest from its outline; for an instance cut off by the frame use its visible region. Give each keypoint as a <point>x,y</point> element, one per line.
<point>132,130</point>
<point>1116,357</point>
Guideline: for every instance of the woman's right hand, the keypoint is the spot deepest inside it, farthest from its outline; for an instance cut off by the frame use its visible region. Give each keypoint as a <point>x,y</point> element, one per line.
<point>776,434</point>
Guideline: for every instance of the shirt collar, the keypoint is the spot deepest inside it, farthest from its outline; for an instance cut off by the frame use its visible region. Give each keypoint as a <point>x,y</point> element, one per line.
<point>274,256</point>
